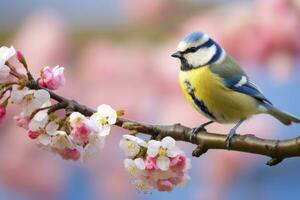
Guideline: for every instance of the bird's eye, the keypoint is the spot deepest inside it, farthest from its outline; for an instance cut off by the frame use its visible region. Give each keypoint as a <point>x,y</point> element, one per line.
<point>193,49</point>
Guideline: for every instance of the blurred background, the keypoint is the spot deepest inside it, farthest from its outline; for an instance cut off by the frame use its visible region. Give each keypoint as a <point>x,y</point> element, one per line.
<point>118,52</point>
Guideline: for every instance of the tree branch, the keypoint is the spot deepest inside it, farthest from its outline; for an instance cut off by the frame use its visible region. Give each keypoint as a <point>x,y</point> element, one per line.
<point>277,150</point>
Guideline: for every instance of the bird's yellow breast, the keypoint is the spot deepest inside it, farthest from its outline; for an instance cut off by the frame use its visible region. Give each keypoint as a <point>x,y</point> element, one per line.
<point>207,93</point>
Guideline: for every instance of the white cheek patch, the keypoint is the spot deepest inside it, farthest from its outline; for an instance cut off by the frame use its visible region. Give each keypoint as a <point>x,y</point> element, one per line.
<point>182,46</point>
<point>201,57</point>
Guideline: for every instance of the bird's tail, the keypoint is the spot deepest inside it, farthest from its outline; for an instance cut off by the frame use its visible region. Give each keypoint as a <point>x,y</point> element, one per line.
<point>282,116</point>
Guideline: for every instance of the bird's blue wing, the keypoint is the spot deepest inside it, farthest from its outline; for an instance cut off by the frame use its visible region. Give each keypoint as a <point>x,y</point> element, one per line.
<point>236,79</point>
<point>243,85</point>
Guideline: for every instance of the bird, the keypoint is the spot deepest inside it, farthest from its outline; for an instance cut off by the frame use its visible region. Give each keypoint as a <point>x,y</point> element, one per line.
<point>216,86</point>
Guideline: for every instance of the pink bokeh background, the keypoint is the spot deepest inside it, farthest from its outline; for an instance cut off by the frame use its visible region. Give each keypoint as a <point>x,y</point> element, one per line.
<point>137,74</point>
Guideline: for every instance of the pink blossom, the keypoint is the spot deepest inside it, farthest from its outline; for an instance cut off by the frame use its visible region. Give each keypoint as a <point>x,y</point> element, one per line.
<point>178,162</point>
<point>2,112</point>
<point>80,134</point>
<point>21,58</point>
<point>164,185</point>
<point>22,121</point>
<point>179,178</point>
<point>150,163</point>
<point>52,78</point>
<point>32,134</point>
<point>70,154</point>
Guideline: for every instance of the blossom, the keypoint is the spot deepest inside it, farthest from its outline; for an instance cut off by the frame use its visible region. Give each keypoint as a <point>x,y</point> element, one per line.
<point>52,78</point>
<point>82,127</point>
<point>4,73</point>
<point>5,54</point>
<point>30,99</point>
<point>95,143</point>
<point>132,145</point>
<point>103,118</point>
<point>17,94</point>
<point>44,139</point>
<point>76,119</point>
<point>134,167</point>
<point>39,121</point>
<point>163,150</point>
<point>178,162</point>
<point>141,185</point>
<point>21,58</point>
<point>35,99</point>
<point>2,112</point>
<point>150,163</point>
<point>161,165</point>
<point>61,140</point>
<point>80,135</point>
<point>22,120</point>
<point>70,153</point>
<point>32,134</point>
<point>164,185</point>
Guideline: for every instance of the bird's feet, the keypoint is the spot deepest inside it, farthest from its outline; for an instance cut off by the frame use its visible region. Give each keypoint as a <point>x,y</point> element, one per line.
<point>198,129</point>
<point>194,132</point>
<point>232,133</point>
<point>229,137</point>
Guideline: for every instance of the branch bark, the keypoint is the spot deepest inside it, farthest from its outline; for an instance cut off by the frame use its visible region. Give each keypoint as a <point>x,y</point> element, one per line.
<point>277,150</point>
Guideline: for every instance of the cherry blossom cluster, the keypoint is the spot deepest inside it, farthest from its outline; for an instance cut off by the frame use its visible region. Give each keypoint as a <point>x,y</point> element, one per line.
<point>56,125</point>
<point>68,134</point>
<point>155,164</point>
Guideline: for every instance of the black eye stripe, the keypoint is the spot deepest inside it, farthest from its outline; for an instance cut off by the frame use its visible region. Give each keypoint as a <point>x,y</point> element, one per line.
<point>207,44</point>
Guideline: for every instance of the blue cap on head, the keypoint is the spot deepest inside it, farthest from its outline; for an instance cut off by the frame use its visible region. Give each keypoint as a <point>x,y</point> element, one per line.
<point>193,37</point>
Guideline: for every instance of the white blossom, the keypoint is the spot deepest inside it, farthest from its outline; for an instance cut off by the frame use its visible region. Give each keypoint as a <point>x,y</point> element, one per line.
<point>77,119</point>
<point>131,145</point>
<point>4,73</point>
<point>164,150</point>
<point>5,54</point>
<point>17,95</point>
<point>39,121</point>
<point>96,142</point>
<point>44,139</point>
<point>61,140</point>
<point>51,128</point>
<point>35,100</point>
<point>103,118</point>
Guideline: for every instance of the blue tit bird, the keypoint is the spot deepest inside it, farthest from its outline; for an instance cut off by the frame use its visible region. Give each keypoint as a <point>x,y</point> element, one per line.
<point>218,87</point>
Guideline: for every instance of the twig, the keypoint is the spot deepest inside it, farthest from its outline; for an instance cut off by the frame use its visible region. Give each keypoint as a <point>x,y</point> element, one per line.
<point>277,150</point>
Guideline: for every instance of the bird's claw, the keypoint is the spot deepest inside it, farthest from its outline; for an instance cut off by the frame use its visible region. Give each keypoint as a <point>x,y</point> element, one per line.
<point>229,139</point>
<point>195,131</point>
<point>198,129</point>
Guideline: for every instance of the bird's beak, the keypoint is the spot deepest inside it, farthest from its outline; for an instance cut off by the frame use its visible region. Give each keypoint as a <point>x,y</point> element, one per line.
<point>177,54</point>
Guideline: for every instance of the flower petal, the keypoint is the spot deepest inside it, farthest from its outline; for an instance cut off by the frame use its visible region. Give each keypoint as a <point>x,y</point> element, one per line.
<point>163,163</point>
<point>42,96</point>
<point>168,142</point>
<point>107,111</point>
<point>44,139</point>
<point>6,53</point>
<point>105,130</point>
<point>172,152</point>
<point>139,163</point>
<point>130,148</point>
<point>136,139</point>
<point>41,115</point>
<point>4,72</point>
<point>51,128</point>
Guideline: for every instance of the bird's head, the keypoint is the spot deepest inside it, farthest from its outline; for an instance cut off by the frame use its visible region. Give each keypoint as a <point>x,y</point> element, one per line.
<point>198,49</point>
